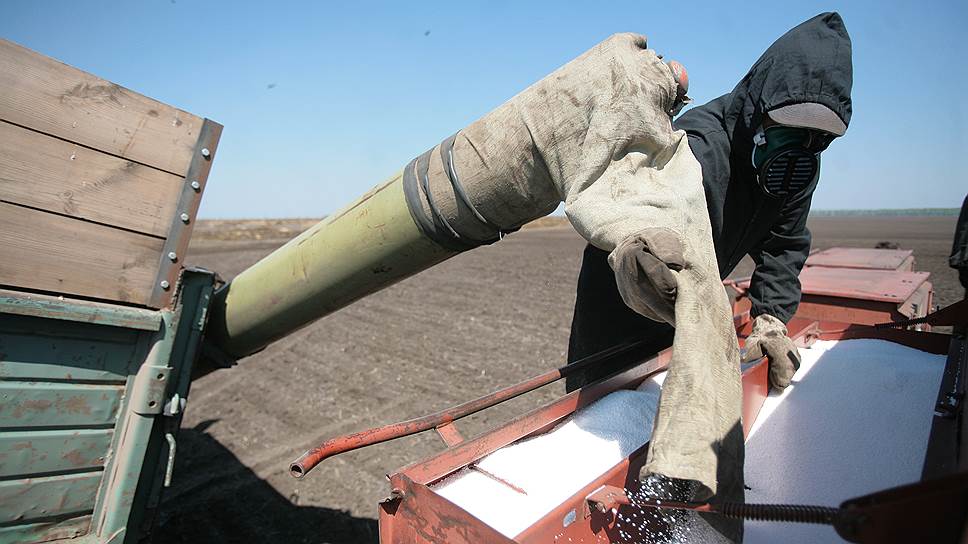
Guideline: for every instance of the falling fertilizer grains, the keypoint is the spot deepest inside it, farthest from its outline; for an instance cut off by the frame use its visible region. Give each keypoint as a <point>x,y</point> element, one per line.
<point>650,525</point>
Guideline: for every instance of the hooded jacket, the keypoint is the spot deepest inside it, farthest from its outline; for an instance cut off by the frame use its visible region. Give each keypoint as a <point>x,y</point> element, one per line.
<point>959,249</point>
<point>810,63</point>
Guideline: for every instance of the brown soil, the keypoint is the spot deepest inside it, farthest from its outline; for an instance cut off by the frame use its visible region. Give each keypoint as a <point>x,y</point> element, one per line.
<point>250,229</point>
<point>483,320</point>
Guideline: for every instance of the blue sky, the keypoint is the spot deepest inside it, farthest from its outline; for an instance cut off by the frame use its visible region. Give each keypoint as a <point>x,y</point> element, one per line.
<point>322,101</point>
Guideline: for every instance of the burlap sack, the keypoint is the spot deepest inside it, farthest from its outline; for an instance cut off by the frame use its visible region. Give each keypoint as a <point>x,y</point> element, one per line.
<point>597,134</point>
<point>555,139</point>
<point>701,401</point>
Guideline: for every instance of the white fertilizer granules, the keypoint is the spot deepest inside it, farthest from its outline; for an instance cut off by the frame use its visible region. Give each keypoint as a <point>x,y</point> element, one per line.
<point>854,420</point>
<point>552,467</point>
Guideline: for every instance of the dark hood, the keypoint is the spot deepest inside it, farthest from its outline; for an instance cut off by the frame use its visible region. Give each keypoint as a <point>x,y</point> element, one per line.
<point>810,63</point>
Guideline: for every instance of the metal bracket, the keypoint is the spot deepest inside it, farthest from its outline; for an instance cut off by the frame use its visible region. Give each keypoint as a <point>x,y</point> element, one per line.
<point>395,495</point>
<point>148,393</point>
<point>605,499</point>
<point>183,220</point>
<point>449,434</point>
<point>174,406</point>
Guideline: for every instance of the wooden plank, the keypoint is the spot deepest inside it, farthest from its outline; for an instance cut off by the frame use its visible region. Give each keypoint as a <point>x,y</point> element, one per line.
<point>51,97</point>
<point>65,178</point>
<point>48,252</point>
<point>40,350</point>
<point>26,453</point>
<point>39,404</point>
<point>44,498</point>
<point>83,311</point>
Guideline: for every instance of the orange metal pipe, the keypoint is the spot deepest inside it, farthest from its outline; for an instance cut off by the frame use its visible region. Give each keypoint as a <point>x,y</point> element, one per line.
<point>369,437</point>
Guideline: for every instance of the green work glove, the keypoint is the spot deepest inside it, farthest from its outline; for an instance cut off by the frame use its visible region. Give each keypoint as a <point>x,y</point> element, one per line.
<point>769,338</point>
<point>644,265</point>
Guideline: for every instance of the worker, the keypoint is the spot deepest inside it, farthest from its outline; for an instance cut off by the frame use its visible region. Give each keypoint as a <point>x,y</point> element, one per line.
<point>759,147</point>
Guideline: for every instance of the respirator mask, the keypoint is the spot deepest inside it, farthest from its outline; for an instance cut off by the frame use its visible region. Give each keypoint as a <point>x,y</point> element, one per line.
<point>787,159</point>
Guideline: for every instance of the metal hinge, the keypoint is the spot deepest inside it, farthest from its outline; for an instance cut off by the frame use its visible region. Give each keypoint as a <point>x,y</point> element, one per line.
<point>170,437</point>
<point>148,393</point>
<point>174,407</point>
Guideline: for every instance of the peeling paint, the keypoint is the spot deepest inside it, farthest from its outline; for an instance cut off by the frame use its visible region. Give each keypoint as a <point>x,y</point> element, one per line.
<point>76,458</point>
<point>30,405</point>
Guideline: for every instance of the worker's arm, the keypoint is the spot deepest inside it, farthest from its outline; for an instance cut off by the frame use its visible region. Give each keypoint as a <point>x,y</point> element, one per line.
<point>959,249</point>
<point>775,285</point>
<point>775,291</point>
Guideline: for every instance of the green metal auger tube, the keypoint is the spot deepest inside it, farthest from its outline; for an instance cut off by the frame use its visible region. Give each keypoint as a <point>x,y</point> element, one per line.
<point>514,165</point>
<point>389,234</point>
<point>363,248</point>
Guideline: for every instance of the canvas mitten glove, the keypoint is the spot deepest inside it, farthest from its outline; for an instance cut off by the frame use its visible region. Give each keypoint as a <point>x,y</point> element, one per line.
<point>644,265</point>
<point>597,135</point>
<point>769,338</point>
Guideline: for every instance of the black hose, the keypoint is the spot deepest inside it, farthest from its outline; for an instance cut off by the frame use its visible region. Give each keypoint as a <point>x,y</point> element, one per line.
<point>793,513</point>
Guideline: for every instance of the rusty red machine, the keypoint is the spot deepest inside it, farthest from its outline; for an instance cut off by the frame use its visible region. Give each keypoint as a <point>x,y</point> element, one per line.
<point>847,294</point>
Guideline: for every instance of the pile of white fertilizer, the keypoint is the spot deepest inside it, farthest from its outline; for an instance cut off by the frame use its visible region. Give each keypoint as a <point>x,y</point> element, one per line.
<point>552,467</point>
<point>855,420</point>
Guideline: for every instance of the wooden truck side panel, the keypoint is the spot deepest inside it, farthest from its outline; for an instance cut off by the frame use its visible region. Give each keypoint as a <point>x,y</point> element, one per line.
<point>99,321</point>
<point>99,185</point>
